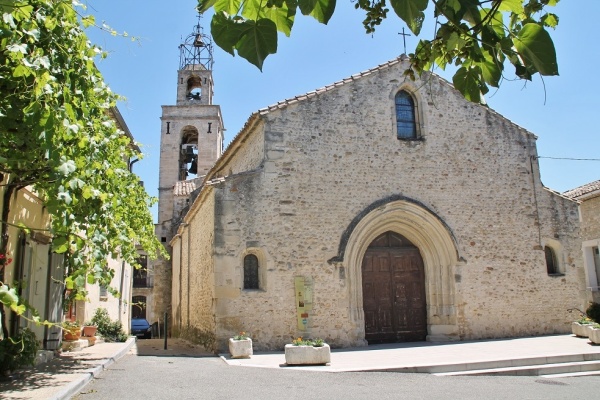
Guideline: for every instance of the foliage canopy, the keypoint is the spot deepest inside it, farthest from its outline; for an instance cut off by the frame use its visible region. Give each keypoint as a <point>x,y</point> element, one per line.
<point>57,134</point>
<point>478,36</point>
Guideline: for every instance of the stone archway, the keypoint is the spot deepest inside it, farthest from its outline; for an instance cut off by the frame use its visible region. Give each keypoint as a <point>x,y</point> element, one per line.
<point>437,247</point>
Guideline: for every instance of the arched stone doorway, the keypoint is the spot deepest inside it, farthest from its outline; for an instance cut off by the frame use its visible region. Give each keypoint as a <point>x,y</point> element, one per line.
<point>436,245</point>
<point>393,282</point>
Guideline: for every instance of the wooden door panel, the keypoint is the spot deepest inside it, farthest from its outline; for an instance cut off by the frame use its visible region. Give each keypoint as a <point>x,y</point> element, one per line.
<point>394,292</point>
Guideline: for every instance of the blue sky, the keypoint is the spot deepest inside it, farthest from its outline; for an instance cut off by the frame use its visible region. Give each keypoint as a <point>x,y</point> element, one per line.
<point>562,111</point>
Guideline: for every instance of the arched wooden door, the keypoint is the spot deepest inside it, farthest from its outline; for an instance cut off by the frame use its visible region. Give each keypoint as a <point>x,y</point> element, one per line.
<point>393,281</point>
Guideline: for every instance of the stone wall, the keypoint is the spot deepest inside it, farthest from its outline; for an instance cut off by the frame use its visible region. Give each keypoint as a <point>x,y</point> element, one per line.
<point>334,157</point>
<point>590,216</point>
<point>590,230</point>
<point>194,276</point>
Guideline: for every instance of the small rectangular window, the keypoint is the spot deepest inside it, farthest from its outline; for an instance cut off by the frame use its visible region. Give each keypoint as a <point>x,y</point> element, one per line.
<point>251,272</point>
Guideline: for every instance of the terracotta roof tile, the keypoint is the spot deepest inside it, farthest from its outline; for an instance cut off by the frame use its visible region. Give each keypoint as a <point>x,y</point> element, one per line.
<point>185,188</point>
<point>583,190</point>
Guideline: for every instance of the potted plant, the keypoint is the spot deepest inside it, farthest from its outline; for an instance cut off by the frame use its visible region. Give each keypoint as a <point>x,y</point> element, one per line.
<point>593,312</point>
<point>580,327</point>
<point>89,329</point>
<point>71,330</point>
<point>240,346</point>
<point>307,352</point>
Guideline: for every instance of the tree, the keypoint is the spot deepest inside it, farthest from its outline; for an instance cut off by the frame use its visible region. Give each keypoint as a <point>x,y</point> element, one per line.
<point>478,36</point>
<point>56,134</point>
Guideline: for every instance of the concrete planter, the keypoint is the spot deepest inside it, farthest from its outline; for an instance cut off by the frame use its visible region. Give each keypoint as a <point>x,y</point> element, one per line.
<point>307,355</point>
<point>580,330</point>
<point>240,348</point>
<point>594,334</point>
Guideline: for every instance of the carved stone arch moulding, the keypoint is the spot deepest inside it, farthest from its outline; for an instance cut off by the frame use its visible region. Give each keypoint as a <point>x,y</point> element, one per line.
<point>438,249</point>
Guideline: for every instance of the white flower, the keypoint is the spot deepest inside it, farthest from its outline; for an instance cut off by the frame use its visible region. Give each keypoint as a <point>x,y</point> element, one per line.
<point>67,166</point>
<point>65,196</point>
<point>8,19</point>
<point>18,48</point>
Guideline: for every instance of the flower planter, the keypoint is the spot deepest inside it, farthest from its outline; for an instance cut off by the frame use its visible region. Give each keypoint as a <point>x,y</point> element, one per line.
<point>307,355</point>
<point>580,330</point>
<point>89,331</point>
<point>594,335</point>
<point>71,335</point>
<point>240,348</point>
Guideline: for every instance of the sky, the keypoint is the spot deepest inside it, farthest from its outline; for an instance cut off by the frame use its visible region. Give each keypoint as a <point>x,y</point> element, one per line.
<point>561,111</point>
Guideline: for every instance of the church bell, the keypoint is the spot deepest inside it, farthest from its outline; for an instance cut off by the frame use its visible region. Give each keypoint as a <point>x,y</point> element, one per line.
<point>189,154</point>
<point>194,167</point>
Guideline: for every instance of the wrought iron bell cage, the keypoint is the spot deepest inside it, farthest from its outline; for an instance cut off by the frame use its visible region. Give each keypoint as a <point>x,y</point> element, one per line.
<point>196,50</point>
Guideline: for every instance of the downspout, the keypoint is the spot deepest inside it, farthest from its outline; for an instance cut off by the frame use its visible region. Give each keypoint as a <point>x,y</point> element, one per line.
<point>188,271</point>
<point>48,297</point>
<point>180,300</point>
<point>121,289</point>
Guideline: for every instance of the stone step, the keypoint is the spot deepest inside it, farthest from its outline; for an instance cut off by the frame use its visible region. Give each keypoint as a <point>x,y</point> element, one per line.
<point>533,370</point>
<point>571,374</point>
<point>493,364</point>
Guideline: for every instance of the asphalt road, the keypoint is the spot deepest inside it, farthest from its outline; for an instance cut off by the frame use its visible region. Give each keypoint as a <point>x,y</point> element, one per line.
<point>170,377</point>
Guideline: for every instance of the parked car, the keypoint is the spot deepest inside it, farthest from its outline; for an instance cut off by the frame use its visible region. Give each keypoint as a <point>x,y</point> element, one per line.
<point>141,328</point>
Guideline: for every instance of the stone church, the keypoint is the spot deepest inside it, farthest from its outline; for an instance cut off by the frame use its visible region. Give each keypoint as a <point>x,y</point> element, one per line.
<point>375,209</point>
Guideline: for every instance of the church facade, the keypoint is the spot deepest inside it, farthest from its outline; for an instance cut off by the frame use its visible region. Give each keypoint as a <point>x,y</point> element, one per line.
<point>376,209</point>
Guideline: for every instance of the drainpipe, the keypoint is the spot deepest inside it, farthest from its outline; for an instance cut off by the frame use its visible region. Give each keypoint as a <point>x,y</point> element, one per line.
<point>121,289</point>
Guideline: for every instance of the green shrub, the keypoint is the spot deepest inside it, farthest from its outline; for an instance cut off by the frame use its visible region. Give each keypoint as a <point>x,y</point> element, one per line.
<point>18,351</point>
<point>593,312</point>
<point>111,331</point>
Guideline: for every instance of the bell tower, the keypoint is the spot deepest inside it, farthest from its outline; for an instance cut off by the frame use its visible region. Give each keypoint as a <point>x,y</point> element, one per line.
<point>191,131</point>
<point>191,141</point>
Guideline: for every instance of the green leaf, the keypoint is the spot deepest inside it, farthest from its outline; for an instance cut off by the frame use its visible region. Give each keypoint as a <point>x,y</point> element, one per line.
<point>258,40</point>
<point>550,20</point>
<point>323,10</point>
<point>231,7</point>
<point>514,6</point>
<point>69,284</point>
<point>88,21</point>
<point>534,45</point>
<point>282,16</point>
<point>411,12</point>
<point>491,72</point>
<point>204,5</point>
<point>90,279</point>
<point>20,71</point>
<point>60,245</point>
<point>226,32</point>
<point>466,81</point>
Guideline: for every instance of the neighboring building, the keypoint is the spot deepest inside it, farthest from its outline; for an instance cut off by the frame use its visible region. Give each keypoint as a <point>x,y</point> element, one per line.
<point>42,272</point>
<point>589,210</point>
<point>375,209</point>
<point>38,271</point>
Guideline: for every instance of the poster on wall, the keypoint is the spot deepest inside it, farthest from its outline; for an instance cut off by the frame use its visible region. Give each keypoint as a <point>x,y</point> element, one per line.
<point>304,299</point>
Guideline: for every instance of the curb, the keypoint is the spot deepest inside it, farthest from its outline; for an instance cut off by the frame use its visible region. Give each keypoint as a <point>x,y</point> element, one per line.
<point>76,385</point>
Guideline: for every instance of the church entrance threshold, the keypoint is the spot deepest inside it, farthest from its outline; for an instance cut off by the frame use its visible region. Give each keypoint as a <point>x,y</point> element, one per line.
<point>393,280</point>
